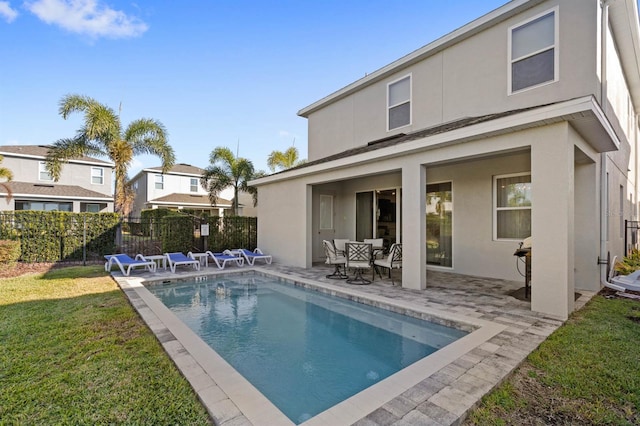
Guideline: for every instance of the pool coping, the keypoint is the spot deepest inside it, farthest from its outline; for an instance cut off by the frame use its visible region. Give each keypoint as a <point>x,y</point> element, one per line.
<point>231,400</point>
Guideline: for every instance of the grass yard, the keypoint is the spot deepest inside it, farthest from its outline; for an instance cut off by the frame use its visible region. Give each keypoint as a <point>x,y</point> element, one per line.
<point>586,373</point>
<point>73,351</point>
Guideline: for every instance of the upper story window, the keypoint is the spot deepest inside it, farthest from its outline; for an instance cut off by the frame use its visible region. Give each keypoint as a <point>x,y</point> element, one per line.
<point>97,175</point>
<point>159,181</point>
<point>43,174</point>
<point>512,209</point>
<point>533,55</point>
<point>194,185</point>
<point>399,103</point>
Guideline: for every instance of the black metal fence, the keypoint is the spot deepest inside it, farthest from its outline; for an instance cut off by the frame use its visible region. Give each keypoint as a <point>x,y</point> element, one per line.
<point>631,227</point>
<point>187,233</point>
<point>87,237</point>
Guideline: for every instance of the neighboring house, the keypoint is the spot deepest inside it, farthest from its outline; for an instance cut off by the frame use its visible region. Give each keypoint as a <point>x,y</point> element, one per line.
<point>177,189</point>
<point>84,184</point>
<point>522,122</point>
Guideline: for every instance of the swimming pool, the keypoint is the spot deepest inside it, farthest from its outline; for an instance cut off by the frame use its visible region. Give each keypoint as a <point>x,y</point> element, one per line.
<point>304,350</point>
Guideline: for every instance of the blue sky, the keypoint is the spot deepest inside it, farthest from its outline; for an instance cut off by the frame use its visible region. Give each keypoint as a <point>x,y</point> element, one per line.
<point>213,72</point>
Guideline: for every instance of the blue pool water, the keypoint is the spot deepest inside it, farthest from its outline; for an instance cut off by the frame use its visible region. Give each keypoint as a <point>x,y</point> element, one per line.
<point>304,350</point>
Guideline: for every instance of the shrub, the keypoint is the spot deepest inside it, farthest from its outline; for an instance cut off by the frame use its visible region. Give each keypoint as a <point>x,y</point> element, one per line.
<point>9,252</point>
<point>629,263</point>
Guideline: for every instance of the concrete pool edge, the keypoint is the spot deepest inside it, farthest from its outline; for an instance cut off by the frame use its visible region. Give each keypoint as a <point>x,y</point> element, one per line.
<point>229,398</point>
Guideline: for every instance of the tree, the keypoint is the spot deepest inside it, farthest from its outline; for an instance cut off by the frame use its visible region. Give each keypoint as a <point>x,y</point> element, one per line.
<point>284,160</point>
<point>102,135</point>
<point>6,174</point>
<point>227,170</point>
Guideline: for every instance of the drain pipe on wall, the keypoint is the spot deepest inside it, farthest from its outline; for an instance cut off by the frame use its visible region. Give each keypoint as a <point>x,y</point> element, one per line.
<point>604,187</point>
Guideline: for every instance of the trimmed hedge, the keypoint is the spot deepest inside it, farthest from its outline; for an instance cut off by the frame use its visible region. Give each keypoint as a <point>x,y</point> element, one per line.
<point>232,232</point>
<point>176,232</point>
<point>9,252</point>
<point>60,236</point>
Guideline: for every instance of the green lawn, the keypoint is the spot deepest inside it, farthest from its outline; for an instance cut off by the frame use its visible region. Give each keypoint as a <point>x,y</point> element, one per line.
<point>73,351</point>
<point>587,372</point>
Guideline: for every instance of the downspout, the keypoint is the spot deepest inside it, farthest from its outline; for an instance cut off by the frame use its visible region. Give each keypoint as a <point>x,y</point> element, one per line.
<point>604,190</point>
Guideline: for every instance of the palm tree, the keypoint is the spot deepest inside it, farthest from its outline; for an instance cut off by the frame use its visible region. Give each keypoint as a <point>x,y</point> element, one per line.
<point>227,170</point>
<point>8,175</point>
<point>102,135</point>
<point>284,160</point>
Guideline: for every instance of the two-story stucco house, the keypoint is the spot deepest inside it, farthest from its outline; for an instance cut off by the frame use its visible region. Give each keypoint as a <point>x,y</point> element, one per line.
<point>85,184</point>
<point>177,189</point>
<point>521,123</point>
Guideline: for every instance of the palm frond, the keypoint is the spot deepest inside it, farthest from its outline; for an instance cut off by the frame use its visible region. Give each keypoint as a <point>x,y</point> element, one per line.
<point>64,149</point>
<point>148,136</point>
<point>215,179</point>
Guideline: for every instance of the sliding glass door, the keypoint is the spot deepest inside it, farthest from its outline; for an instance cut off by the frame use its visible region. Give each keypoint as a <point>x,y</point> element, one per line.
<point>377,215</point>
<point>439,224</point>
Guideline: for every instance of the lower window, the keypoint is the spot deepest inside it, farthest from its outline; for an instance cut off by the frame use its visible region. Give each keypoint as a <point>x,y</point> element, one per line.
<point>439,224</point>
<point>44,206</point>
<point>512,213</point>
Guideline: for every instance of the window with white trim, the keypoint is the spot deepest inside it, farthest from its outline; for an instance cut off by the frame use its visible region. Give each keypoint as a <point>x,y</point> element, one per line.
<point>97,175</point>
<point>159,181</point>
<point>194,185</point>
<point>512,206</point>
<point>399,103</point>
<point>43,174</point>
<point>533,53</point>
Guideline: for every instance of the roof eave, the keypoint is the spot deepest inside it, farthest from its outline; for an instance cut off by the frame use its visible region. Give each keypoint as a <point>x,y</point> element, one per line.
<point>584,114</point>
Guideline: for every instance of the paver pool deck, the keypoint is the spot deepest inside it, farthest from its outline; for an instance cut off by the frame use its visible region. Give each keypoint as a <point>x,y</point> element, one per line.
<point>438,390</point>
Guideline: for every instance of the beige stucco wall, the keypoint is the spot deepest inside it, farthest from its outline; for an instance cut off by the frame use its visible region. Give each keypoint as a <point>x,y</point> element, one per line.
<point>466,79</point>
<point>27,170</point>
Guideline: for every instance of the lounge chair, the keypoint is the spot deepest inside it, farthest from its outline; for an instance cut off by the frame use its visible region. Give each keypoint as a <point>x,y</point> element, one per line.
<point>252,256</point>
<point>359,259</point>
<point>624,282</point>
<point>126,263</point>
<point>334,259</point>
<point>221,259</point>
<point>392,261</point>
<point>177,259</point>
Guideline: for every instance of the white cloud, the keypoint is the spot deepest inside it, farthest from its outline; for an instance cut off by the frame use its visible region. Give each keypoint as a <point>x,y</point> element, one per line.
<point>87,17</point>
<point>7,12</point>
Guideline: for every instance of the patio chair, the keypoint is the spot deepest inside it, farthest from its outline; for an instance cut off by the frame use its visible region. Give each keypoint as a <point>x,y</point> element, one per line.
<point>335,260</point>
<point>392,261</point>
<point>252,256</point>
<point>339,244</point>
<point>126,263</point>
<point>177,259</point>
<point>358,259</point>
<point>377,246</point>
<point>221,259</point>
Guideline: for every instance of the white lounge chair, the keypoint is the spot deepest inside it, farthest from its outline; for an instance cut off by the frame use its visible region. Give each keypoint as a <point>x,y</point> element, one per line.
<point>627,282</point>
<point>126,263</point>
<point>177,259</point>
<point>392,261</point>
<point>334,259</point>
<point>252,256</point>
<point>221,259</point>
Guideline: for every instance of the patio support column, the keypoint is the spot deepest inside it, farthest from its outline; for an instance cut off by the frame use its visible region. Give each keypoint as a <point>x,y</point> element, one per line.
<point>552,218</point>
<point>414,249</point>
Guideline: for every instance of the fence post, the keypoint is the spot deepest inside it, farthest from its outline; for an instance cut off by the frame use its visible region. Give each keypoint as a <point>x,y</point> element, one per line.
<point>84,240</point>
